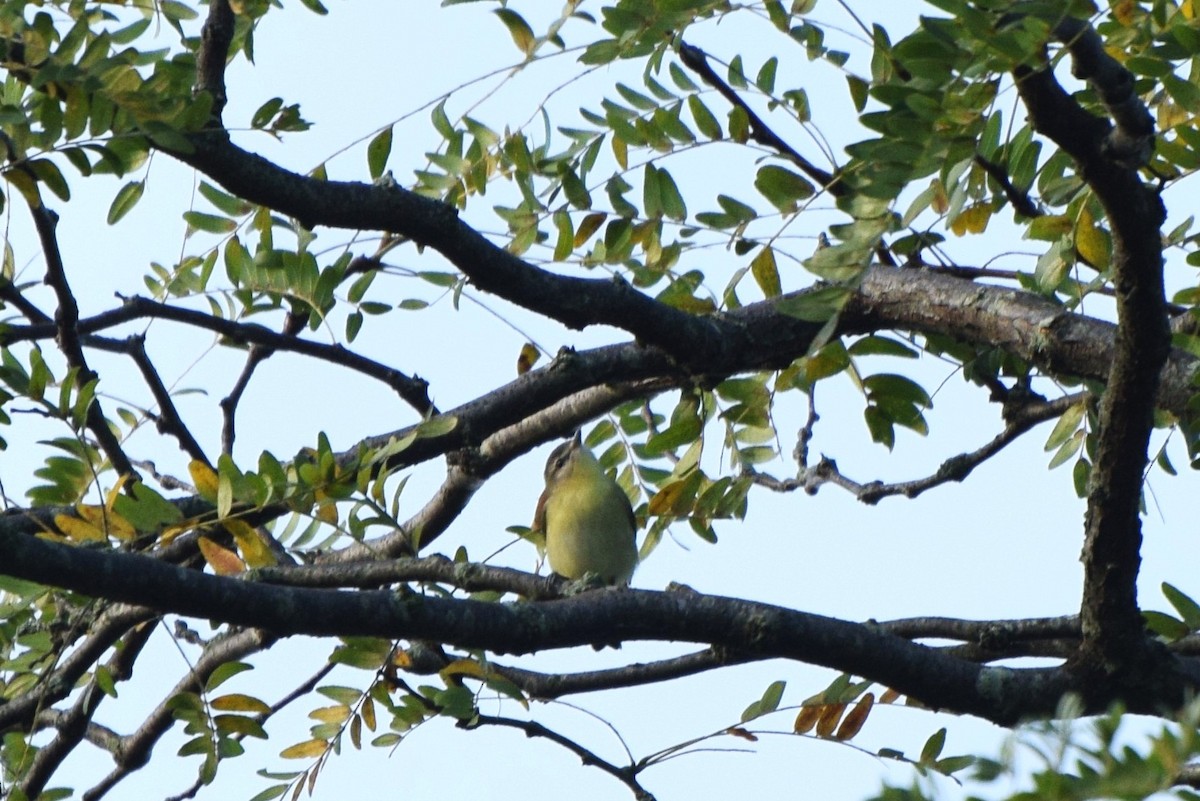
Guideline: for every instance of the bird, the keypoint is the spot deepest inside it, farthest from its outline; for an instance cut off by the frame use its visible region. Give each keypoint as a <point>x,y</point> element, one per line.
<point>585,517</point>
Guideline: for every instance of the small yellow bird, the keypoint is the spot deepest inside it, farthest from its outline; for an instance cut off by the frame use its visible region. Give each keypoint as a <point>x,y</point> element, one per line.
<point>586,517</point>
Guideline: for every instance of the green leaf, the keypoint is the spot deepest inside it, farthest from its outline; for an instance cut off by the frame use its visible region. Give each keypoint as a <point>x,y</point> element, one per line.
<point>951,765</point>
<point>266,112</point>
<point>565,243</point>
<point>225,672</point>
<point>127,197</point>
<point>772,696</point>
<point>518,29</point>
<point>765,80</point>
<point>378,152</point>
<point>814,305</point>
<point>876,345</point>
<point>706,122</point>
<point>1066,426</point>
<point>858,91</point>
<point>1068,449</point>
<point>48,173</point>
<point>737,74</point>
<point>230,205</point>
<point>890,385</point>
<point>681,79</point>
<point>210,223</point>
<point>1188,609</point>
<point>933,747</point>
<point>1165,626</point>
<point>782,187</point>
<point>670,197</point>
<point>172,9</point>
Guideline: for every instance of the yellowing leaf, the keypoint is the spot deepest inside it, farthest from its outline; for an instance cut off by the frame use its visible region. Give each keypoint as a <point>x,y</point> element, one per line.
<point>973,219</point>
<point>889,696</point>
<point>519,29</point>
<point>327,513</point>
<point>79,530</point>
<point>830,715</point>
<point>621,151</point>
<point>251,543</point>
<point>465,667</point>
<point>940,201</point>
<point>171,532</point>
<point>527,358</point>
<point>108,521</point>
<point>588,226</point>
<point>236,702</point>
<point>305,750</point>
<point>110,498</point>
<point>331,714</point>
<point>223,561</point>
<point>673,499</point>
<point>854,721</point>
<point>1171,115</point>
<point>1050,227</point>
<point>807,718</point>
<point>368,712</point>
<point>1091,241</point>
<point>1123,11</point>
<point>205,479</point>
<point>765,272</point>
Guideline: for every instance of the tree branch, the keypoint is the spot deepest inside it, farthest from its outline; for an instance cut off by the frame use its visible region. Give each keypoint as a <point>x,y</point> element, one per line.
<point>412,390</point>
<point>169,421</point>
<point>1002,695</point>
<point>696,60</point>
<point>1107,159</point>
<point>292,325</point>
<point>956,468</point>
<point>66,324</point>
<point>626,775</point>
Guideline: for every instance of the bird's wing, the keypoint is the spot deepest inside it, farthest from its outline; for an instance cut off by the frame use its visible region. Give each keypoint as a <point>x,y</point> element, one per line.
<point>539,514</point>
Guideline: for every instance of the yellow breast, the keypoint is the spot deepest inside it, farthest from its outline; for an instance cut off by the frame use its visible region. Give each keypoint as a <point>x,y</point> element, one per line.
<point>589,527</point>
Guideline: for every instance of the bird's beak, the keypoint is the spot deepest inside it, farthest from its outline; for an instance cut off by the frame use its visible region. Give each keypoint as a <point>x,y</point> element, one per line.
<point>577,440</point>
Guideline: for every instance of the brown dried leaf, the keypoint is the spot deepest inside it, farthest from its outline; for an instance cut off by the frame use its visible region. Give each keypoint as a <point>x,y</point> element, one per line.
<point>854,721</point>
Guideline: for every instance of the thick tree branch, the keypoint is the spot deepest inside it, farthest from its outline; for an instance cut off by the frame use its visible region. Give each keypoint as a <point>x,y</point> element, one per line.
<point>1107,158</point>
<point>1002,695</point>
<point>575,302</point>
<point>215,38</point>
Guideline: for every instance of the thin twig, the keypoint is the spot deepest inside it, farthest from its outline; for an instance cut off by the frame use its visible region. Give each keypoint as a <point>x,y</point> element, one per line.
<point>626,775</point>
<point>292,325</point>
<point>66,324</point>
<point>956,468</point>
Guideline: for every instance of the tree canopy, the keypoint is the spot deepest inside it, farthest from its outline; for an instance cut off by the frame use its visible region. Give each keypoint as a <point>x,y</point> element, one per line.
<point>762,206</point>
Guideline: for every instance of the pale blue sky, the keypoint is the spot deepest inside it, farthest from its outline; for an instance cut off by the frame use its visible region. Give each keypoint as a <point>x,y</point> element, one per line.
<point>1003,545</point>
